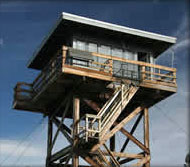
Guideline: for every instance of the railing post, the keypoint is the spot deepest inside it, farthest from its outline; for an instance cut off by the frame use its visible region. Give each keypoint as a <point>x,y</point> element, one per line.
<point>110,66</point>
<point>174,75</point>
<point>86,127</point>
<point>64,54</point>
<point>143,72</point>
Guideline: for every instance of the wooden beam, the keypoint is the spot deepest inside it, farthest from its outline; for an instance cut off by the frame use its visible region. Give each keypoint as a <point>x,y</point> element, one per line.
<point>67,129</point>
<point>128,159</point>
<point>104,157</point>
<point>61,153</point>
<point>142,161</point>
<point>146,133</point>
<point>111,156</point>
<point>49,142</point>
<point>137,142</point>
<point>90,161</point>
<point>117,128</point>
<point>76,117</point>
<point>62,119</point>
<point>122,155</point>
<point>131,132</point>
<point>63,130</point>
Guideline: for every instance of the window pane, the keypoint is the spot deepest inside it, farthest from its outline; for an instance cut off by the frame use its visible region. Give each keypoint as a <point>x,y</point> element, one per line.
<point>104,50</point>
<point>80,45</point>
<point>92,47</point>
<point>117,52</point>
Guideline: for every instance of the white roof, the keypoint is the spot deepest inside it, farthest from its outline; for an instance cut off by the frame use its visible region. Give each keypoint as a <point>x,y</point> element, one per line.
<point>115,27</point>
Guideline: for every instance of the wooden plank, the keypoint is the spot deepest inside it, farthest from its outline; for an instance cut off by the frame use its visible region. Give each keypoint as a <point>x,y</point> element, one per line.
<point>62,118</point>
<point>132,138</point>
<point>142,161</point>
<point>104,157</point>
<point>49,142</point>
<point>63,152</point>
<point>124,155</point>
<point>158,74</point>
<point>76,117</point>
<point>112,156</point>
<point>131,132</point>
<point>134,62</point>
<point>117,128</point>
<point>126,60</point>
<point>146,133</point>
<point>63,130</point>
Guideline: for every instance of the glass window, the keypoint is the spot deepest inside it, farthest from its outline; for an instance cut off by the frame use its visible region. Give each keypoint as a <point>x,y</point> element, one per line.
<point>117,52</point>
<point>103,49</point>
<point>92,47</point>
<point>79,45</point>
<point>128,55</point>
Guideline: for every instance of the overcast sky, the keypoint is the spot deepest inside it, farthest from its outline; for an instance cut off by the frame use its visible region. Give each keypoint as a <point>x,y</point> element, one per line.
<point>23,26</point>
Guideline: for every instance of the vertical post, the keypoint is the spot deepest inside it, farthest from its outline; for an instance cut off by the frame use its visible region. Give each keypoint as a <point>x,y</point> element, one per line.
<point>49,142</point>
<point>110,66</point>
<point>64,53</point>
<point>112,145</point>
<point>143,72</point>
<point>76,116</point>
<point>146,133</point>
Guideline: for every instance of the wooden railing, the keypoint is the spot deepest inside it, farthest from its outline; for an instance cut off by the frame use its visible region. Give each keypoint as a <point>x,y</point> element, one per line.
<point>95,126</point>
<point>122,68</point>
<point>48,73</point>
<point>109,65</point>
<point>23,92</point>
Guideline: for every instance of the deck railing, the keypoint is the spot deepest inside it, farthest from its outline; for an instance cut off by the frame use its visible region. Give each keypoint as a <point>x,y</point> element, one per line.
<point>108,65</point>
<point>122,68</point>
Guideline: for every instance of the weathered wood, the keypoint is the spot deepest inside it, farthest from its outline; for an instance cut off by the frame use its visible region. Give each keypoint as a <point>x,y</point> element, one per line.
<point>131,132</point>
<point>67,129</point>
<point>146,133</point>
<point>132,138</point>
<point>63,130</point>
<point>111,156</point>
<point>104,157</point>
<point>63,152</point>
<point>117,128</point>
<point>76,117</point>
<point>59,127</point>
<point>49,142</point>
<point>142,161</point>
<point>121,155</point>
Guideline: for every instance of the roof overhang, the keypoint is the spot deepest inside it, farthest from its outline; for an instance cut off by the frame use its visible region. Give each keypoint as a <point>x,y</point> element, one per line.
<point>38,55</point>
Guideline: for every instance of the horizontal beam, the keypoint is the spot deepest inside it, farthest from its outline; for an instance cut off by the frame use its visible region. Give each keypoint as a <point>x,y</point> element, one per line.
<point>117,128</point>
<point>61,153</point>
<point>137,142</point>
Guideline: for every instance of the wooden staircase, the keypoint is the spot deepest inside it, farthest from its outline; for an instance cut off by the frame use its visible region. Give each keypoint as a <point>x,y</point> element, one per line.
<point>95,127</point>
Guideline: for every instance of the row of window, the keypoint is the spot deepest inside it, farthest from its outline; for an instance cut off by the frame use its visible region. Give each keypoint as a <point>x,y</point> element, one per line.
<point>104,49</point>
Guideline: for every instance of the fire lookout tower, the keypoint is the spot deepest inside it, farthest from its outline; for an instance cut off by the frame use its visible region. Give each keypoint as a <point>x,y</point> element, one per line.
<point>101,76</point>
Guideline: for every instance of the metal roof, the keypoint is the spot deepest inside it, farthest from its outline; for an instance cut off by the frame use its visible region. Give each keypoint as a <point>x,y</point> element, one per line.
<point>115,27</point>
<point>102,25</point>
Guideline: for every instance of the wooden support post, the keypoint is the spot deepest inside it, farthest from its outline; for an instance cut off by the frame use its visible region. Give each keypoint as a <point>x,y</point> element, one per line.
<point>112,146</point>
<point>143,72</point>
<point>146,133</point>
<point>64,54</point>
<point>76,117</point>
<point>49,142</point>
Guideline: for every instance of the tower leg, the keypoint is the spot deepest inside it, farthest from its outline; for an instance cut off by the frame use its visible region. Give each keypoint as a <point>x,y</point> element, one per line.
<point>112,146</point>
<point>146,133</point>
<point>76,117</point>
<point>49,142</point>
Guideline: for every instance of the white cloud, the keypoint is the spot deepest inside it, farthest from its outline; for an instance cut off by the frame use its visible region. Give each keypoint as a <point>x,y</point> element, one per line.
<point>182,34</point>
<point>13,147</point>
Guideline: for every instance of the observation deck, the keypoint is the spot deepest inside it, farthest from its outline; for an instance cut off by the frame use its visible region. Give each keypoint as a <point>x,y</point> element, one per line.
<point>72,71</point>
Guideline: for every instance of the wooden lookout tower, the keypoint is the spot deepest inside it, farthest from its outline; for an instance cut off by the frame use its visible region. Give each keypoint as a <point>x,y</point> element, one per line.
<point>100,76</point>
